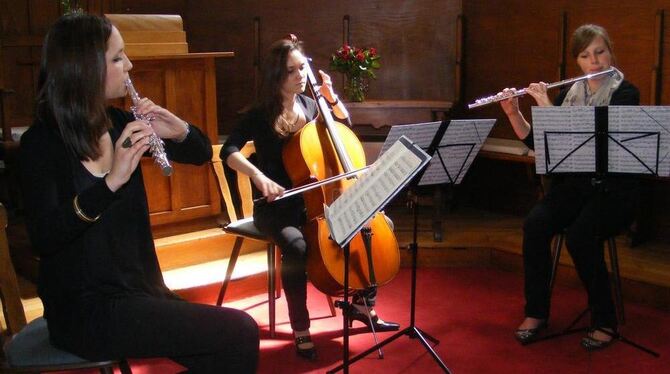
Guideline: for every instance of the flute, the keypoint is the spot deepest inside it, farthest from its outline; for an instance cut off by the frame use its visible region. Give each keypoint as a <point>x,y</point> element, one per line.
<point>156,145</point>
<point>500,96</point>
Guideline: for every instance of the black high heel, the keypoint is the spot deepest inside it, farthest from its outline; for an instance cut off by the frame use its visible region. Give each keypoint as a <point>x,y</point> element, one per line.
<point>379,324</point>
<point>308,353</point>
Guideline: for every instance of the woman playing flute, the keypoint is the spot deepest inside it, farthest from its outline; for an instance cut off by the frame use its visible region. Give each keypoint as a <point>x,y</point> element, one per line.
<point>572,204</point>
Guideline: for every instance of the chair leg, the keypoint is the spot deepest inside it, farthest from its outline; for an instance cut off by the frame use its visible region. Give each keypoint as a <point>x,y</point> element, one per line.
<point>556,257</point>
<point>271,288</point>
<point>331,304</point>
<point>616,278</point>
<point>277,273</point>
<point>229,271</point>
<point>125,367</point>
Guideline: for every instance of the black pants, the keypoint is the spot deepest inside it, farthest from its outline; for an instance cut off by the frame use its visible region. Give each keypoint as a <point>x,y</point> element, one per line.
<point>203,338</point>
<point>282,221</point>
<point>588,218</point>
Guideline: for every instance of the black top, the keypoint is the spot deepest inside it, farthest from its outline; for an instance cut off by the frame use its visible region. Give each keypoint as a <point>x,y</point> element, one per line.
<point>83,263</point>
<point>256,126</point>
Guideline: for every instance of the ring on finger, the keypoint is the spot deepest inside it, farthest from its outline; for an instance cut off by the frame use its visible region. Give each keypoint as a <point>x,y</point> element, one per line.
<point>127,143</point>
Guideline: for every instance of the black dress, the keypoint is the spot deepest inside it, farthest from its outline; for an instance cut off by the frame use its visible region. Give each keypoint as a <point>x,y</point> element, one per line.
<point>101,284</point>
<point>574,206</point>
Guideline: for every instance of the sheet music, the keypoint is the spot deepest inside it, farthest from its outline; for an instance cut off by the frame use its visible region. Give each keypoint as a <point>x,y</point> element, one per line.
<point>570,135</point>
<point>639,140</point>
<point>458,147</point>
<point>385,177</point>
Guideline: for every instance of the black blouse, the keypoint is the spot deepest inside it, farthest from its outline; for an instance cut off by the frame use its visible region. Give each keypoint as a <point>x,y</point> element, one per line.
<point>82,263</point>
<point>256,126</point>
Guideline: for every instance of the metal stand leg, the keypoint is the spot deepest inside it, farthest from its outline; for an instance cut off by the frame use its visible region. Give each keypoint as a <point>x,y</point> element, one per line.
<point>412,330</point>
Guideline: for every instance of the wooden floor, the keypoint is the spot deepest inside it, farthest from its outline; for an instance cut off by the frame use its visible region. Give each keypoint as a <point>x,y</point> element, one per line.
<point>195,256</point>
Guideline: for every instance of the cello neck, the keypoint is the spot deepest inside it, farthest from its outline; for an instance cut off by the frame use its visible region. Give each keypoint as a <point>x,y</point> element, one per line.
<point>345,161</point>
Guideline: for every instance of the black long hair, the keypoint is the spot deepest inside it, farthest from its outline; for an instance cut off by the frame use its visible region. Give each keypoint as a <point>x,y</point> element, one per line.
<point>274,74</point>
<point>71,85</point>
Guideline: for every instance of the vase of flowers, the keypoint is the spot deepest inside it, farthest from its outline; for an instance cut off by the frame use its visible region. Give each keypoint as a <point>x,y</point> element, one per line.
<point>358,65</point>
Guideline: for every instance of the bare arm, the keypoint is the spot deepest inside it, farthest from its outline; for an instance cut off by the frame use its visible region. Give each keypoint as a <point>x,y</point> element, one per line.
<point>520,125</point>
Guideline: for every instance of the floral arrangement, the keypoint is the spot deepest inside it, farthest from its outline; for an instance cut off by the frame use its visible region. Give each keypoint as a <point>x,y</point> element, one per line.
<point>358,64</point>
<point>71,6</point>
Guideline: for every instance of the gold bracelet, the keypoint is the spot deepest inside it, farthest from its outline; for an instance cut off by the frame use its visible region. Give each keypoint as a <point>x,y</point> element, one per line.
<point>80,213</point>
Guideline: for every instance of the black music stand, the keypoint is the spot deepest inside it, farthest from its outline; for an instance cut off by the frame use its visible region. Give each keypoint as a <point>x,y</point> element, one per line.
<point>612,150</point>
<point>358,204</point>
<point>467,145</point>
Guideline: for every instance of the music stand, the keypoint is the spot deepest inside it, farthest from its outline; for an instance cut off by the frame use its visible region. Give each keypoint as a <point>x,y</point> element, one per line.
<point>359,203</point>
<point>597,141</point>
<point>456,144</point>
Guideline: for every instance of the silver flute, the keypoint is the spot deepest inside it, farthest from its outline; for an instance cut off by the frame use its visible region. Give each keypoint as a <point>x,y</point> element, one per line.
<point>156,145</point>
<point>500,96</point>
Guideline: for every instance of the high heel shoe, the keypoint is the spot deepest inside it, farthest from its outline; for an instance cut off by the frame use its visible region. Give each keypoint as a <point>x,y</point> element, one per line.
<point>309,352</point>
<point>527,336</point>
<point>379,324</point>
<point>590,343</point>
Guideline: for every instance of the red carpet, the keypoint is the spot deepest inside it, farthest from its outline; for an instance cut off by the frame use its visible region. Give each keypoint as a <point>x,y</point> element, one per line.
<point>472,311</point>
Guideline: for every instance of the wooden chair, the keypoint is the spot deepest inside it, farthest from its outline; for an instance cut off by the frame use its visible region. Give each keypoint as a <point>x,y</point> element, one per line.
<point>243,228</point>
<point>29,349</point>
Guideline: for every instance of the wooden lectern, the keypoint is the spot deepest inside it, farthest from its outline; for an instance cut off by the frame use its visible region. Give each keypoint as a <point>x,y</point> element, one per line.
<point>185,84</point>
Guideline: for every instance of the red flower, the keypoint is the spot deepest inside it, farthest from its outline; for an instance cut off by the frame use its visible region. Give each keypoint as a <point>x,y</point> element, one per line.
<point>360,56</point>
<point>373,52</point>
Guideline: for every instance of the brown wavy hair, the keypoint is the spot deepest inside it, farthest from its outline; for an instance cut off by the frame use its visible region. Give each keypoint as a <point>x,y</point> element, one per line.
<point>274,74</point>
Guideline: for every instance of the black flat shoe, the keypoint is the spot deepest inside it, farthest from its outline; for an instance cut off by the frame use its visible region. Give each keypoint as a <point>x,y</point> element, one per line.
<point>592,344</point>
<point>527,336</point>
<point>379,324</point>
<point>308,353</point>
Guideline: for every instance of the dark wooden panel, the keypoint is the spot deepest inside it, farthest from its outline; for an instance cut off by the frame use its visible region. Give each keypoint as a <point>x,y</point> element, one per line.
<point>414,38</point>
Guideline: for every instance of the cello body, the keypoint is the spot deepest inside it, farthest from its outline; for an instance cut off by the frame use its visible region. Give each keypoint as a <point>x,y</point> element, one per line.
<point>311,154</point>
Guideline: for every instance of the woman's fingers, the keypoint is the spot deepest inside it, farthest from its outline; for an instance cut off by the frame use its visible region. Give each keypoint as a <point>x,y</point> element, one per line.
<point>325,78</point>
<point>133,133</point>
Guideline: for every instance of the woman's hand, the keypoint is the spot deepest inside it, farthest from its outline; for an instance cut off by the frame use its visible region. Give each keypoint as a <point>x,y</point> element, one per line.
<point>326,88</point>
<point>539,92</point>
<point>165,124</point>
<point>128,150</point>
<point>510,106</point>
<point>267,186</point>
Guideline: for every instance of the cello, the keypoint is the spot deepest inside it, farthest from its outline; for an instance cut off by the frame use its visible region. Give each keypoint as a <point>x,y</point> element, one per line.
<point>319,151</point>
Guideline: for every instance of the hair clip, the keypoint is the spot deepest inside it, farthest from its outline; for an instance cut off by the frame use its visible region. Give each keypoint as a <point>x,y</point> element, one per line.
<point>292,38</point>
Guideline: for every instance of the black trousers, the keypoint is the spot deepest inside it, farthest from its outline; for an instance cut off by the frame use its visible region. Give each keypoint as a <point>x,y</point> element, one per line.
<point>587,217</point>
<point>203,338</point>
<point>282,221</point>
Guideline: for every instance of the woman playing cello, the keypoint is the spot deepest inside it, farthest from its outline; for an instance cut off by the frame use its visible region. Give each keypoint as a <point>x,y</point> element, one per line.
<point>281,110</point>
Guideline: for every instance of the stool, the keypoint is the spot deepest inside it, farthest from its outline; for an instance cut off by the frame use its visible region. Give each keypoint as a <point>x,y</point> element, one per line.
<point>616,287</point>
<point>614,266</point>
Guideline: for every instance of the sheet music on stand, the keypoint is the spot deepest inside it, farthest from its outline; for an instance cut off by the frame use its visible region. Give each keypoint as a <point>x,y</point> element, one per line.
<point>383,180</point>
<point>458,147</point>
<point>638,139</point>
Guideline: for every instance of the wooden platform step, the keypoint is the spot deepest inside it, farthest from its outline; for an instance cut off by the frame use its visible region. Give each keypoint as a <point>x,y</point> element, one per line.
<point>199,247</point>
<point>194,265</point>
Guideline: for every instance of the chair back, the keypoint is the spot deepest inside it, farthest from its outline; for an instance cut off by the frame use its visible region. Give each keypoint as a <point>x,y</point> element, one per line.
<point>12,307</point>
<point>226,187</point>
